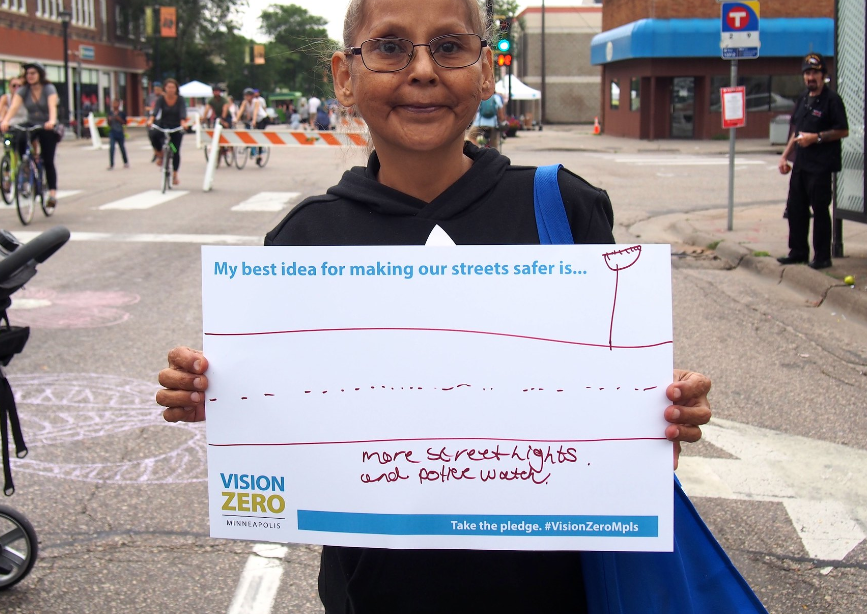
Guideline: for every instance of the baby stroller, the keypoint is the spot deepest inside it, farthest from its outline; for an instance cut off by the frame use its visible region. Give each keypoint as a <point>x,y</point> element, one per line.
<point>18,262</point>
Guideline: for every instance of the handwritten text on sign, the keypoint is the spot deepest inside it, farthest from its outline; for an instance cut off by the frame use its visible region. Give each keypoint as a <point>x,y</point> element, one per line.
<point>497,397</point>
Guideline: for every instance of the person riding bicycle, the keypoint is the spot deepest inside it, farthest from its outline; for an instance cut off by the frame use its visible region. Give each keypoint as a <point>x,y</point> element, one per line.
<point>39,97</point>
<point>489,117</point>
<point>252,112</point>
<point>218,108</point>
<point>170,111</point>
<point>20,117</point>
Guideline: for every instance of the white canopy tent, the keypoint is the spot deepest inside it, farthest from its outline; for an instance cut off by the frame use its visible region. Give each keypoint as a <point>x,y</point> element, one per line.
<point>519,91</point>
<point>196,89</point>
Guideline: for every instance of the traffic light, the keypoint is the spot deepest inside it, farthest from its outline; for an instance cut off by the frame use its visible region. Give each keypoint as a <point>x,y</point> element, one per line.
<point>505,43</point>
<point>504,59</point>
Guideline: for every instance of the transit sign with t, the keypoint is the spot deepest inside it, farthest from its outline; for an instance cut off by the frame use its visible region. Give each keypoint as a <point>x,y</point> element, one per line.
<point>739,28</point>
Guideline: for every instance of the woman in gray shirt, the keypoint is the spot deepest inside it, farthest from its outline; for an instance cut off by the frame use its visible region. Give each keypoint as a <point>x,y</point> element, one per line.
<point>39,97</point>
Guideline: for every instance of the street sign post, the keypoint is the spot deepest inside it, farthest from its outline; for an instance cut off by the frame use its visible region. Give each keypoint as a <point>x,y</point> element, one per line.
<point>739,38</point>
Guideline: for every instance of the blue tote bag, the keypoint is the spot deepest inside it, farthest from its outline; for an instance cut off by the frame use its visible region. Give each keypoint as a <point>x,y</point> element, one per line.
<point>698,577</point>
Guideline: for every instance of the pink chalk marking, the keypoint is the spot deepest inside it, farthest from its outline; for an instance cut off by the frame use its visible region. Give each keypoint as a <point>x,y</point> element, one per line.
<point>367,441</point>
<point>442,330</point>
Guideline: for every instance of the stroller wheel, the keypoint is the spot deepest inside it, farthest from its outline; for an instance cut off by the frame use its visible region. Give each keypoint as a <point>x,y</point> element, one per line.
<point>18,547</point>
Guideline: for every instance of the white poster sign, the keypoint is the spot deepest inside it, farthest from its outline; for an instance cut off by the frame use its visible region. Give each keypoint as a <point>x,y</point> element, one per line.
<point>484,397</point>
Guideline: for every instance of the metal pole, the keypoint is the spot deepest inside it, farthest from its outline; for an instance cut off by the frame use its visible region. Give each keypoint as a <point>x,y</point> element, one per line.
<point>78,94</point>
<point>544,93</point>
<point>66,84</point>
<point>732,137</point>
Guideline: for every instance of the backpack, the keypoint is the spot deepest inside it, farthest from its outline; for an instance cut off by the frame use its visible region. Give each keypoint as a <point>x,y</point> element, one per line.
<point>488,108</point>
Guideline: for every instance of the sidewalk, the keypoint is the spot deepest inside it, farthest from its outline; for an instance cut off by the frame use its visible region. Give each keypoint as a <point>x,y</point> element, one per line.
<point>759,235</point>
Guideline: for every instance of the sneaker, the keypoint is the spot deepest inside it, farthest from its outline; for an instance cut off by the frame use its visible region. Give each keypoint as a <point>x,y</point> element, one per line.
<point>258,160</point>
<point>51,203</point>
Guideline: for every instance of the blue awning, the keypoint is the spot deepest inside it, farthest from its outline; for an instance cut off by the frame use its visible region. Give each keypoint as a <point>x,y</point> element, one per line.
<point>699,38</point>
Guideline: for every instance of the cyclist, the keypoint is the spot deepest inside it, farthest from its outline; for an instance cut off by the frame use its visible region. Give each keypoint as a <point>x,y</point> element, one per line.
<point>150,102</point>
<point>170,111</point>
<point>252,112</point>
<point>218,108</point>
<point>39,97</point>
<point>20,117</point>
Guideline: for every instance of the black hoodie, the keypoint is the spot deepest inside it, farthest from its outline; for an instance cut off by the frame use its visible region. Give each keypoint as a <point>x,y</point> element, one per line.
<point>491,204</point>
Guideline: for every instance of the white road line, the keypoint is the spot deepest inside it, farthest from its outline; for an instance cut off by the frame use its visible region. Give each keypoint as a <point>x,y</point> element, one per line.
<point>144,200</point>
<point>267,201</point>
<point>257,587</point>
<point>66,193</point>
<point>819,483</point>
<point>27,235</point>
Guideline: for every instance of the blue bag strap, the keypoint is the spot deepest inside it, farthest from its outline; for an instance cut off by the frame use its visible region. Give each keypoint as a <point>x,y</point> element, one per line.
<point>698,577</point>
<point>551,220</point>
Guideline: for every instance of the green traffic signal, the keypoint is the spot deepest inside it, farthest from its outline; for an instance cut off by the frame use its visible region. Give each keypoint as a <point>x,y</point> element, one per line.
<point>504,45</point>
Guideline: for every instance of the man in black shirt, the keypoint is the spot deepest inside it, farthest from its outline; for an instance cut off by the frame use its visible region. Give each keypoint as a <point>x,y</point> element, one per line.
<point>818,123</point>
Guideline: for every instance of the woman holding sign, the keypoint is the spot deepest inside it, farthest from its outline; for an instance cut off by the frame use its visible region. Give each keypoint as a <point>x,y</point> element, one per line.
<point>416,72</point>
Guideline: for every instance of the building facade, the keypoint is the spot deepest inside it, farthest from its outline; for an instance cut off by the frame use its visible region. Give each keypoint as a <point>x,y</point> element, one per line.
<point>662,68</point>
<point>106,60</point>
<point>571,87</point>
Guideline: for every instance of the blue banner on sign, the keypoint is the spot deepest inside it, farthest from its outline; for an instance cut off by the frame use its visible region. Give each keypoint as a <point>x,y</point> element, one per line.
<point>740,17</point>
<point>735,53</point>
<point>477,524</point>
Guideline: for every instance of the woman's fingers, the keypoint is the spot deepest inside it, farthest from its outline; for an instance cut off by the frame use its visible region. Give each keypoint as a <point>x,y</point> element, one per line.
<point>184,385</point>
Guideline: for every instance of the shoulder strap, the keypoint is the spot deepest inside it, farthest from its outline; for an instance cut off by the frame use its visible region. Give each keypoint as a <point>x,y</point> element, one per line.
<point>551,220</point>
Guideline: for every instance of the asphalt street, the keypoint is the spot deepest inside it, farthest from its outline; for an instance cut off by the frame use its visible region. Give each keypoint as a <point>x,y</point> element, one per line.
<point>118,497</point>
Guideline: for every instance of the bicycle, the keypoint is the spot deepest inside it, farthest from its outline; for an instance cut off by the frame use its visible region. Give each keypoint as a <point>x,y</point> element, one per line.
<point>263,154</point>
<point>8,170</point>
<point>30,181</point>
<point>168,149</point>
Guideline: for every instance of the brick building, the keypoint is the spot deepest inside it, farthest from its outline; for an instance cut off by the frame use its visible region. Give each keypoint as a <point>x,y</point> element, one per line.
<point>102,42</point>
<point>572,84</point>
<point>662,67</point>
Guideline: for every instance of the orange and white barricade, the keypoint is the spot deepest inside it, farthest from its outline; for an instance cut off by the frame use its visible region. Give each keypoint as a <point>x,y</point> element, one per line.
<point>272,138</point>
<point>94,123</point>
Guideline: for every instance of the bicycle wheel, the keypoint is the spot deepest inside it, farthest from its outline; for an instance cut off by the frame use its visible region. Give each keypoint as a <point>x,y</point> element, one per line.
<point>25,195</point>
<point>18,547</point>
<point>167,169</point>
<point>241,154</point>
<point>264,156</point>
<point>48,206</point>
<point>229,156</point>
<point>7,181</point>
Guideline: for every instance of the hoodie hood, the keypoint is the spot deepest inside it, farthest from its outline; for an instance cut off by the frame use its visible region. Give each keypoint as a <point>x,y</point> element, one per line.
<point>359,184</point>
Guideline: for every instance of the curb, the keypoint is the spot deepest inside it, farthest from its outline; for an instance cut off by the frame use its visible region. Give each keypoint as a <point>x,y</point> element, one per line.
<point>827,289</point>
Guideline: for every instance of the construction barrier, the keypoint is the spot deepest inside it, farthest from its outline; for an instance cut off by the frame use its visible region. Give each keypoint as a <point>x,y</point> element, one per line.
<point>272,138</point>
<point>103,121</point>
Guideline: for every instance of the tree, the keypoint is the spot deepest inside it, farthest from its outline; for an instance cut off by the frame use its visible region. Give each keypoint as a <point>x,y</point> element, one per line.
<point>301,50</point>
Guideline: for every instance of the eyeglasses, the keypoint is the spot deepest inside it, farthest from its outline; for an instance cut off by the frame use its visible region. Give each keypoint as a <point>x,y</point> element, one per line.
<point>14,85</point>
<point>395,54</point>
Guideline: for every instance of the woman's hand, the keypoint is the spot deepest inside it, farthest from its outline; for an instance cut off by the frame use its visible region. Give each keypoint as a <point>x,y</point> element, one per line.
<point>184,384</point>
<point>49,125</point>
<point>689,410</point>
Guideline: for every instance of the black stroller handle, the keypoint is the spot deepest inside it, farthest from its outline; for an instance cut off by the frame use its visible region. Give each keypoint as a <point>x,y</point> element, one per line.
<point>39,249</point>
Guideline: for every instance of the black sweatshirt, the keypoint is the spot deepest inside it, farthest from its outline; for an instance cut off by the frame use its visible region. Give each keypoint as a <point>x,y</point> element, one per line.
<point>491,204</point>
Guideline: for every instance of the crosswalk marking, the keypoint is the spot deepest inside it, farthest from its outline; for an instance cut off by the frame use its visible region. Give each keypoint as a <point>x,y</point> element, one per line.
<point>110,237</point>
<point>144,200</point>
<point>257,587</point>
<point>267,201</point>
<point>654,160</point>
<point>826,501</point>
<point>67,193</point>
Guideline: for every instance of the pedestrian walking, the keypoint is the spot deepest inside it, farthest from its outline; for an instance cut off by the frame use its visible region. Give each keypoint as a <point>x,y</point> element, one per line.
<point>116,136</point>
<point>817,125</point>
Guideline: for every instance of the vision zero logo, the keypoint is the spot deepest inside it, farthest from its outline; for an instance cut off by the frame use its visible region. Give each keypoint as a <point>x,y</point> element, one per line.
<point>253,494</point>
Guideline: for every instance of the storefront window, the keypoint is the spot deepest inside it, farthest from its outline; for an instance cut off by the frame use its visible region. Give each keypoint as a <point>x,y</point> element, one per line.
<point>764,93</point>
<point>615,94</point>
<point>634,94</point>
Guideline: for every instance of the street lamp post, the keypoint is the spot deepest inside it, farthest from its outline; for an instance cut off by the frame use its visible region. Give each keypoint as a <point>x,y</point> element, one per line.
<point>65,18</point>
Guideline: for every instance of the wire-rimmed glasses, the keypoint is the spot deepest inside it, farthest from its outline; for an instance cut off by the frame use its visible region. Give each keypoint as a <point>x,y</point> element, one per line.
<point>394,54</point>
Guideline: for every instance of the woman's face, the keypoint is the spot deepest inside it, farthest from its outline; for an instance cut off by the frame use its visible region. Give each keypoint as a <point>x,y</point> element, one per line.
<point>32,76</point>
<point>171,89</point>
<point>424,107</point>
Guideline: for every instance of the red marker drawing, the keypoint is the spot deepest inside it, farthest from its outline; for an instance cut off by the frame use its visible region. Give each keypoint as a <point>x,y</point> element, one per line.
<point>618,261</point>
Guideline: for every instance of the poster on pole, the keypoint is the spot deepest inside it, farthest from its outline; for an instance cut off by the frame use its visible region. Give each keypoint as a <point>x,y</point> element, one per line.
<point>482,397</point>
<point>168,22</point>
<point>734,106</point>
